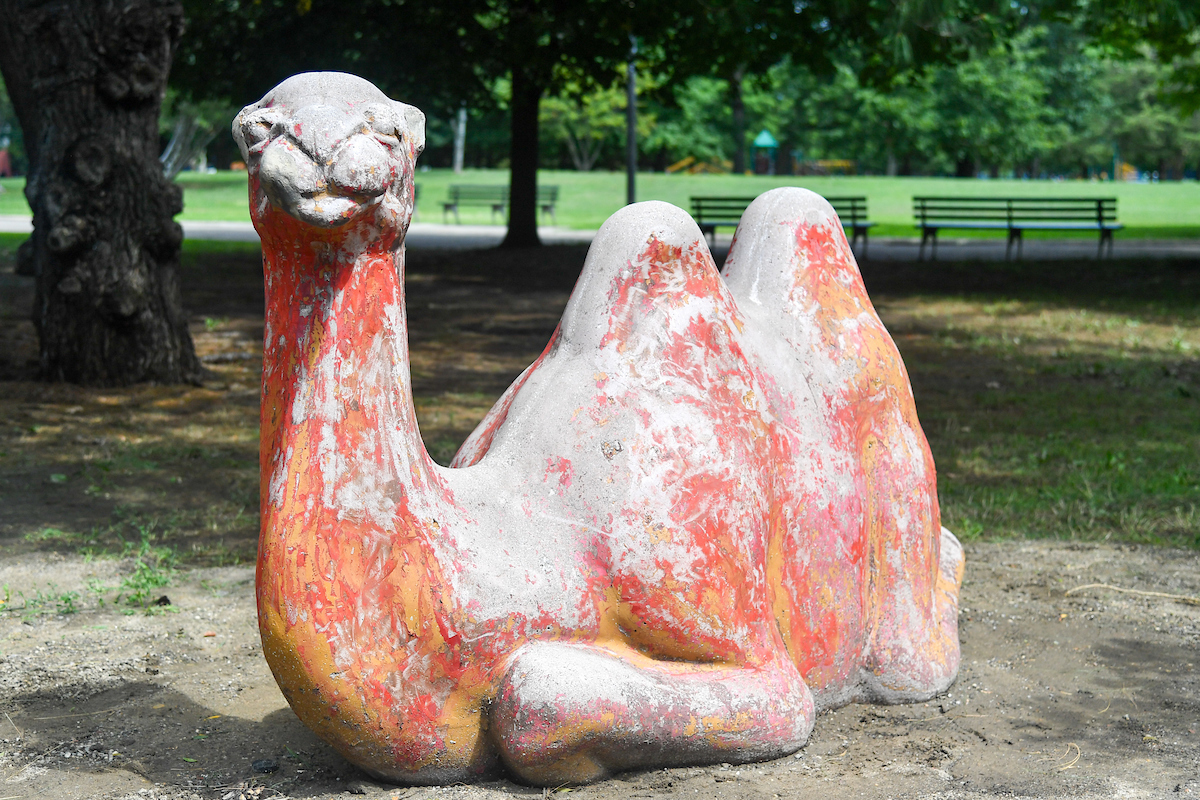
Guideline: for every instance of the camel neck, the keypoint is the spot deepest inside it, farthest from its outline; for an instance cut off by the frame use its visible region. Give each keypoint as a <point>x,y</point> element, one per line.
<point>337,394</point>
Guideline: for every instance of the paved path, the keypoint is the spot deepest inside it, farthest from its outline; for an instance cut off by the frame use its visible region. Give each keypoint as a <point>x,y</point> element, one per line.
<point>884,249</point>
<point>428,235</point>
<point>420,234</point>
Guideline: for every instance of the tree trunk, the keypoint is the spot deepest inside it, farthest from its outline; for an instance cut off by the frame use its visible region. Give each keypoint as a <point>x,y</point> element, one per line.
<point>86,80</point>
<point>522,195</point>
<point>738,106</point>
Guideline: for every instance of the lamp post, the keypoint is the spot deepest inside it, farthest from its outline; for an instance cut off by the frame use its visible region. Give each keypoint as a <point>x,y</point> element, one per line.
<point>631,151</point>
<point>460,138</point>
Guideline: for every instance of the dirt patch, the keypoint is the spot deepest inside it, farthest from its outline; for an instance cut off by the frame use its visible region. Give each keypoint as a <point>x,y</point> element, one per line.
<point>1089,695</point>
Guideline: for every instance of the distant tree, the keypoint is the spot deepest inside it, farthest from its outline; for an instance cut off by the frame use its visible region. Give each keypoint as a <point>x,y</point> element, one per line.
<point>898,125</point>
<point>86,81</point>
<point>436,54</point>
<point>891,129</point>
<point>190,126</point>
<point>1169,28</point>
<point>1148,131</point>
<point>733,40</point>
<point>432,54</point>
<point>695,122</point>
<point>736,39</point>
<point>990,112</point>
<point>542,46</point>
<point>1042,99</point>
<point>10,129</point>
<point>586,121</point>
<point>1078,100</point>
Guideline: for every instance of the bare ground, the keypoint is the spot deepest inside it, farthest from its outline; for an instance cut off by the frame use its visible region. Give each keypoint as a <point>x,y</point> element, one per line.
<point>1091,694</point>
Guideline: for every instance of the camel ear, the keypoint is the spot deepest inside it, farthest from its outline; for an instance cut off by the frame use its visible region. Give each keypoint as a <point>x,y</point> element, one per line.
<point>412,126</point>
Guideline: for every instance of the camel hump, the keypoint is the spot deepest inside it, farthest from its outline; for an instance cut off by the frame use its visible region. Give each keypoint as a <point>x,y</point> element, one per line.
<point>789,251</point>
<point>791,270</point>
<point>649,283</point>
<point>647,257</point>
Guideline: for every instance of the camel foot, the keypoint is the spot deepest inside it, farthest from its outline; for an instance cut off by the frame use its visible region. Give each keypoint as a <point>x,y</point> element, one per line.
<point>570,713</point>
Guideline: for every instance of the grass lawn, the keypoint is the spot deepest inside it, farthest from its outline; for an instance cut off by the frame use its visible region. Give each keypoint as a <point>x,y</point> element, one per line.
<point>1058,403</point>
<point>1160,210</point>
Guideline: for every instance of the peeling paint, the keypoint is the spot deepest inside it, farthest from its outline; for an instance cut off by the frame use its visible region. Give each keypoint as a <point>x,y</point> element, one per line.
<point>706,511</point>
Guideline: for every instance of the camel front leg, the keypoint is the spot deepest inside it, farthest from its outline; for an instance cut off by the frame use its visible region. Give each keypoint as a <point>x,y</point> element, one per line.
<point>574,713</point>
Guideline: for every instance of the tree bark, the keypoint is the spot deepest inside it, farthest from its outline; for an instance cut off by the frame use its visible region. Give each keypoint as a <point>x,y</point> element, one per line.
<point>523,162</point>
<point>738,106</point>
<point>86,80</point>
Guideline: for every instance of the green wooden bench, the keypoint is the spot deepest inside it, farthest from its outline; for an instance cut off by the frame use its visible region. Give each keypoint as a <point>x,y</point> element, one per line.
<point>711,213</point>
<point>1016,215</point>
<point>494,196</point>
<point>547,198</point>
<point>458,195</point>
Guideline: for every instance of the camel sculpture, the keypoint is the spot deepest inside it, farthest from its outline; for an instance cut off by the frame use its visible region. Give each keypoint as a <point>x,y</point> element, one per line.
<point>704,514</point>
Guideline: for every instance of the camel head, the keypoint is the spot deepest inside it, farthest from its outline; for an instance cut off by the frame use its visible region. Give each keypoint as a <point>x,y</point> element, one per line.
<point>328,150</point>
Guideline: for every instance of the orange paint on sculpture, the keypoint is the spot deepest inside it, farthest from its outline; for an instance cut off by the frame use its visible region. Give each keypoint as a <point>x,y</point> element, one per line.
<point>708,502</point>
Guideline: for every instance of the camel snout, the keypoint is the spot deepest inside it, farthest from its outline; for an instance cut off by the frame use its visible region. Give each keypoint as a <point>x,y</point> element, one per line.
<point>288,175</point>
<point>362,167</point>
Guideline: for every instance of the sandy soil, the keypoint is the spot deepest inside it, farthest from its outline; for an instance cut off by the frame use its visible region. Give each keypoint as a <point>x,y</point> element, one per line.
<point>1089,695</point>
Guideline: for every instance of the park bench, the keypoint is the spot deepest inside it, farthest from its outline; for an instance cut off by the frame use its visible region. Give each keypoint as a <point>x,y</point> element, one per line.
<point>711,213</point>
<point>1016,215</point>
<point>494,196</point>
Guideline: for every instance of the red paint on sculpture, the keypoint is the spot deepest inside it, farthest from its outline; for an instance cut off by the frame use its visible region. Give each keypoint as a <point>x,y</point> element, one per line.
<point>708,503</point>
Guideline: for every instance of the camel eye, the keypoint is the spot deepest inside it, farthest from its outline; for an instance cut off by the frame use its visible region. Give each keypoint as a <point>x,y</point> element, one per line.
<point>387,141</point>
<point>260,126</point>
<point>382,120</point>
<point>256,133</point>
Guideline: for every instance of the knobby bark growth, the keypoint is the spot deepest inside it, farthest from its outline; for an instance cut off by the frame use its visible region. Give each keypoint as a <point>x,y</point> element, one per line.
<point>86,81</point>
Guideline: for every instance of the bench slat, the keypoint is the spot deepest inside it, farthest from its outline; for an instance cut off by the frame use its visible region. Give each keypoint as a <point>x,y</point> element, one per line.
<point>711,212</point>
<point>494,195</point>
<point>1016,215</point>
<point>1091,200</point>
<point>703,208</point>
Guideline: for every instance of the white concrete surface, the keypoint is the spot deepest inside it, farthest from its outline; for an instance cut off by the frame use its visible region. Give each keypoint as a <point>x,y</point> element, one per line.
<point>10,223</point>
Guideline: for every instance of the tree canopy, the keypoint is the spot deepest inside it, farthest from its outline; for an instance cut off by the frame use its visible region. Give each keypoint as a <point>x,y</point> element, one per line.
<point>1170,29</point>
<point>439,55</point>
